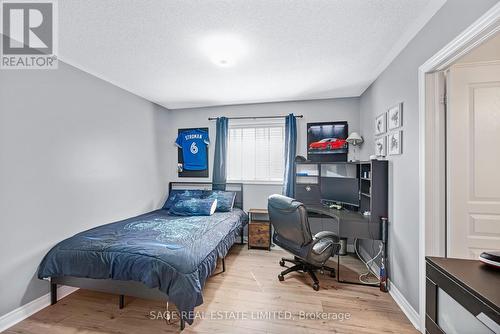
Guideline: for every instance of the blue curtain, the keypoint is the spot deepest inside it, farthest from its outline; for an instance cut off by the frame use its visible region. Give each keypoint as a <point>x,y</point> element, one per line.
<point>219,174</point>
<point>290,152</point>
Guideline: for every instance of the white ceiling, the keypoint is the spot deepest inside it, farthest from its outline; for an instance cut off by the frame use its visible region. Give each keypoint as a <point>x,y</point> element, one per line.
<point>295,50</point>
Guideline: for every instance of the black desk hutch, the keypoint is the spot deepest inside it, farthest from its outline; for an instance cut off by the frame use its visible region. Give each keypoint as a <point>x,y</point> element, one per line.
<point>361,220</point>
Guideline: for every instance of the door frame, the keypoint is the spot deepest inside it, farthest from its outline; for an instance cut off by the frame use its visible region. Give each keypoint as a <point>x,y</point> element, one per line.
<point>431,171</point>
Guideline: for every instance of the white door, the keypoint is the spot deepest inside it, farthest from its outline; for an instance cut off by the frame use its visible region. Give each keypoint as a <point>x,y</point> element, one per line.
<point>473,159</point>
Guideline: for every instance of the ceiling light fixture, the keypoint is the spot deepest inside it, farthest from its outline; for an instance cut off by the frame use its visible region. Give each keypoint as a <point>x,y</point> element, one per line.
<point>224,50</point>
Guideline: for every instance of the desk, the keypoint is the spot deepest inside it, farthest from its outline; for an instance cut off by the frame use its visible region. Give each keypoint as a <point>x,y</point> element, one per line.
<point>350,224</point>
<point>461,296</point>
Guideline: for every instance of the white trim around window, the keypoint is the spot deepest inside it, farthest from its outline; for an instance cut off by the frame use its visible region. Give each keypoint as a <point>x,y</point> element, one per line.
<point>256,151</point>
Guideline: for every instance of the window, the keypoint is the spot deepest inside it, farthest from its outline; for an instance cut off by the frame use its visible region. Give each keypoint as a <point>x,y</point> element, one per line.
<point>256,150</point>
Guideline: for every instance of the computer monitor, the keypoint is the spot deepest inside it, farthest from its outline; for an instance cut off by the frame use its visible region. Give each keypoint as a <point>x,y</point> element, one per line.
<point>340,189</point>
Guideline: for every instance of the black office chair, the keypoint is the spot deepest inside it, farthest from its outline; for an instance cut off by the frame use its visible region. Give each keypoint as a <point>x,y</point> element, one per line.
<point>293,233</point>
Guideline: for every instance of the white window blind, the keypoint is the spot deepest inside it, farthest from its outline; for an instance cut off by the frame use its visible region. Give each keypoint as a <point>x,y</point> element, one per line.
<point>256,150</point>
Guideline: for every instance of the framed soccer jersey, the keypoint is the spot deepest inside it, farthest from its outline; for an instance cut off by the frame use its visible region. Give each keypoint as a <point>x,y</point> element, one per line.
<point>193,152</point>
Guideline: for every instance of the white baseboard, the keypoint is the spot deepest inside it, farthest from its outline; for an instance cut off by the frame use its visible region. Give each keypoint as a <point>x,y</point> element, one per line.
<point>403,304</point>
<point>13,317</point>
<point>398,297</point>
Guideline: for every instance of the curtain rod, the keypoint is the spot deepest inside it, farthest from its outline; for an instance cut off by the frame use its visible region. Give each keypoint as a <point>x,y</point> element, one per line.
<point>255,117</point>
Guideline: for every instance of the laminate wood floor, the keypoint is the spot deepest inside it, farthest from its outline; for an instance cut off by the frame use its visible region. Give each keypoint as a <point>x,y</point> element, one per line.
<point>247,298</point>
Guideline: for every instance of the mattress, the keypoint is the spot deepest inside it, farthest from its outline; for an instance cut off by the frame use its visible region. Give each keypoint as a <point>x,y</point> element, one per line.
<point>172,253</point>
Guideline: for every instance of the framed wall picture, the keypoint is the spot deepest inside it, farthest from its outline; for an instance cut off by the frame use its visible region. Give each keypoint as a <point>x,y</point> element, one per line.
<point>183,170</point>
<point>381,124</point>
<point>395,116</point>
<point>380,147</point>
<point>326,141</point>
<point>395,142</point>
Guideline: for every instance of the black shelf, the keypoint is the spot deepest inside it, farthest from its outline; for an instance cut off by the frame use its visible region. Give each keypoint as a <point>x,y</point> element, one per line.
<point>374,194</point>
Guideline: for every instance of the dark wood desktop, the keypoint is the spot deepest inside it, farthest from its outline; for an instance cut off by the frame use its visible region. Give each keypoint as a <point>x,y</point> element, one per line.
<point>469,283</point>
<point>350,224</point>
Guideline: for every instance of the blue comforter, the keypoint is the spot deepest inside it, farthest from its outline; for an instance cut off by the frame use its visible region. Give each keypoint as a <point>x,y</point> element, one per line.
<point>174,254</point>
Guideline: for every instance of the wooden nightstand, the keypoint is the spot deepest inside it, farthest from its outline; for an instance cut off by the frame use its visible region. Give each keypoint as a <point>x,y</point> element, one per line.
<point>259,231</point>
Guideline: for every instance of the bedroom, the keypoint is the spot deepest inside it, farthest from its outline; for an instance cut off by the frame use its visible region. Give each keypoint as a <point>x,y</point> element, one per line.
<point>90,140</point>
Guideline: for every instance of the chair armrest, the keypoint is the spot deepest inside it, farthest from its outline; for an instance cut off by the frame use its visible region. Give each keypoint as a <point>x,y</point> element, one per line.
<point>326,234</point>
<point>324,239</point>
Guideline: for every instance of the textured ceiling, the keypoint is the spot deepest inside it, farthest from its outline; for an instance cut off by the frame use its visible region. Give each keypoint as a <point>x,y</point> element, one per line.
<point>294,50</point>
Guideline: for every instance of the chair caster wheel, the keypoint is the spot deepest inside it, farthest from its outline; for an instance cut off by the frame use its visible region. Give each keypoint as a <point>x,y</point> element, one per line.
<point>281,278</point>
<point>332,274</point>
<point>316,286</point>
<point>282,263</point>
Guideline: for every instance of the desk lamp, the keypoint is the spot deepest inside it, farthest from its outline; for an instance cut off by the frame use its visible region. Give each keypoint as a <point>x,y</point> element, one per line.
<point>354,139</point>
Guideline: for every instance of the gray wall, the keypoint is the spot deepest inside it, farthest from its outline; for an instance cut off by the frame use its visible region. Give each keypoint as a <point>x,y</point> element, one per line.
<point>399,83</point>
<point>255,195</point>
<point>75,152</point>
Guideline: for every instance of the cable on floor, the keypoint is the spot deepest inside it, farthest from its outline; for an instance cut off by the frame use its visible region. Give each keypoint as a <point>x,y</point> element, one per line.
<point>367,264</point>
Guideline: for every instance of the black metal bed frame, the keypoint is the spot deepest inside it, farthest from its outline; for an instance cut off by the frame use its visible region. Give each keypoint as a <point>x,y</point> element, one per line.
<point>137,289</point>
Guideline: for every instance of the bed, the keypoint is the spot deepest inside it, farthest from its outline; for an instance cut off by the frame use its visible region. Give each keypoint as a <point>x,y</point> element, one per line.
<point>155,255</point>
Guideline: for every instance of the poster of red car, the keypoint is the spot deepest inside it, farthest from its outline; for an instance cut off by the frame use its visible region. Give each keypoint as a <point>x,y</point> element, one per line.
<point>326,141</point>
<point>330,144</point>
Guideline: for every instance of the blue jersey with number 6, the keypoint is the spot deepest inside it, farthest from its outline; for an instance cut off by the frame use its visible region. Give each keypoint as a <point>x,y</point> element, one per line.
<point>194,149</point>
